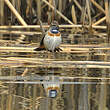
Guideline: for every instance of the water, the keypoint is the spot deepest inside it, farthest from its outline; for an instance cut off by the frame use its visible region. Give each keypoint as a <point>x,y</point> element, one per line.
<point>82,86</point>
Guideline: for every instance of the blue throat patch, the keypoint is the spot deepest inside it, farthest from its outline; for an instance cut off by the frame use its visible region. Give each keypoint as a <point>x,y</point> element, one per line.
<point>54,31</point>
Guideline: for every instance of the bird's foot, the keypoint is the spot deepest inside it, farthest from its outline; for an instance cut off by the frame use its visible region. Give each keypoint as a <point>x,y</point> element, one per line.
<point>58,49</point>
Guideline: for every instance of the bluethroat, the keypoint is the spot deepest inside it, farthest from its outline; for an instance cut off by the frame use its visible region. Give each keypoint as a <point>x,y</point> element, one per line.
<point>52,39</point>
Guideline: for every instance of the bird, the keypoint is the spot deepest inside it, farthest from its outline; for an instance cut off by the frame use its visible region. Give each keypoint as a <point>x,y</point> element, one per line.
<point>51,40</point>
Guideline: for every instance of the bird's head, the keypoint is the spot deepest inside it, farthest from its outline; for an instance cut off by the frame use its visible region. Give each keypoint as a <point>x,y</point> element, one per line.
<point>54,27</point>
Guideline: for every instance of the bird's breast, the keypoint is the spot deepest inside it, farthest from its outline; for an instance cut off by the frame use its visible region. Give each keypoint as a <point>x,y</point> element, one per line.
<point>51,41</point>
<point>52,35</point>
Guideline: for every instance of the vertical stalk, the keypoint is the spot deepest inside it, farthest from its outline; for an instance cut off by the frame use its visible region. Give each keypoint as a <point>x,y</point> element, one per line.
<point>1,14</point>
<point>73,12</point>
<point>89,11</point>
<point>60,7</point>
<point>107,18</point>
<point>39,8</point>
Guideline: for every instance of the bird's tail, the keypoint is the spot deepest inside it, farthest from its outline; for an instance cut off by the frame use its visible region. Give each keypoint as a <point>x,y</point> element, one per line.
<point>40,48</point>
